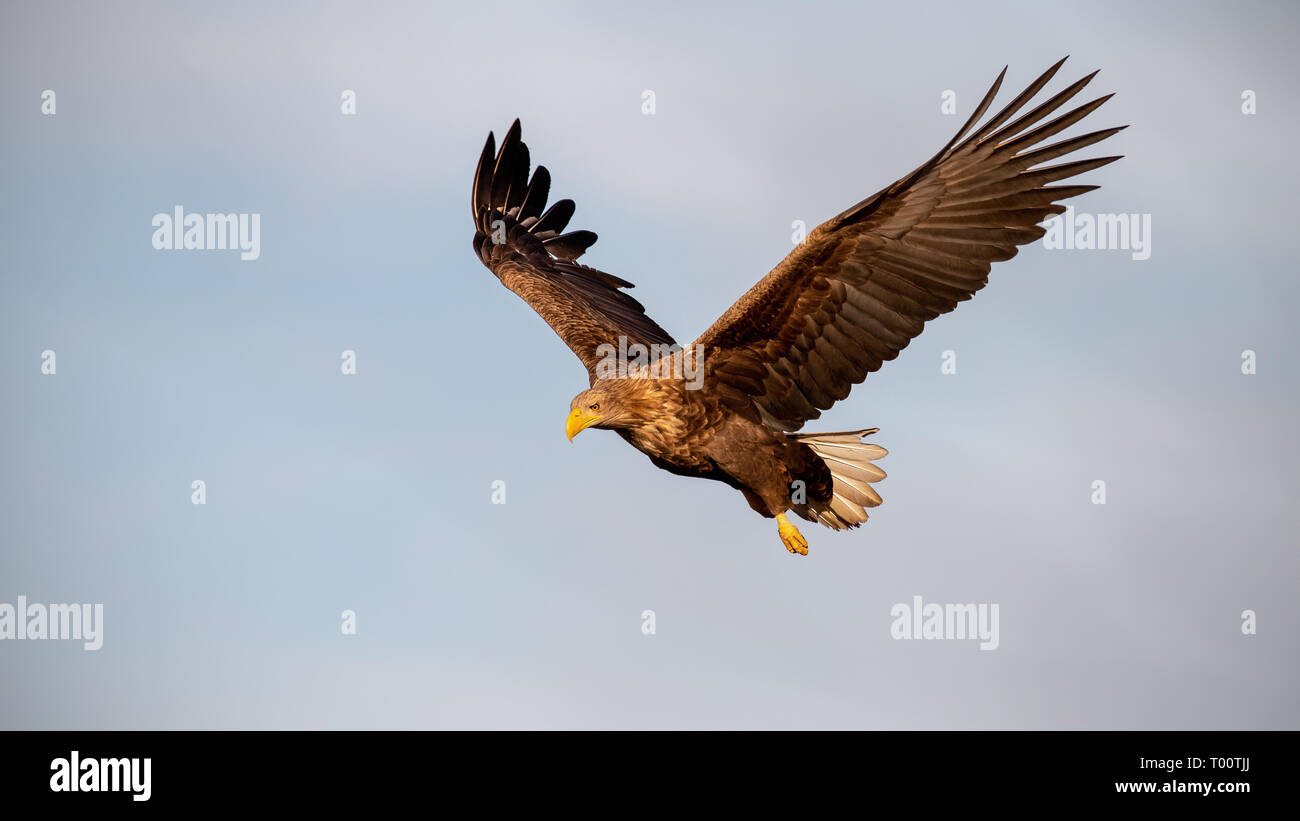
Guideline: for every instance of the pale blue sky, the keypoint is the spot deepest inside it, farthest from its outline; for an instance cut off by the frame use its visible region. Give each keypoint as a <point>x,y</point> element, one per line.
<point>372,492</point>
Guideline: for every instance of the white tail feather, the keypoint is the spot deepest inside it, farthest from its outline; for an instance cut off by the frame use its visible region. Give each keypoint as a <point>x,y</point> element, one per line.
<point>852,471</point>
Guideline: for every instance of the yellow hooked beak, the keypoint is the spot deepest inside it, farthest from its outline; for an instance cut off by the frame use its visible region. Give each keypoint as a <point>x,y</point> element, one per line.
<point>579,421</point>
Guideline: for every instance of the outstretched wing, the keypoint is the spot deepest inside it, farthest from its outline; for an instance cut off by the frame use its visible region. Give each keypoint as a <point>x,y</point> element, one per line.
<point>863,284</point>
<point>526,249</point>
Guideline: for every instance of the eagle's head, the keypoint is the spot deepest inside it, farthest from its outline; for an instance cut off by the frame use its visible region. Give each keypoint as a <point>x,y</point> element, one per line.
<point>609,404</point>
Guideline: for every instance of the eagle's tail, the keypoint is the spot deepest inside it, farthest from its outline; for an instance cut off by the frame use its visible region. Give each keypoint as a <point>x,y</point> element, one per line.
<point>851,462</point>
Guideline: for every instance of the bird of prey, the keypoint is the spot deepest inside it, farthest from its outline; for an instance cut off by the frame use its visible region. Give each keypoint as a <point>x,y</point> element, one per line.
<point>847,299</point>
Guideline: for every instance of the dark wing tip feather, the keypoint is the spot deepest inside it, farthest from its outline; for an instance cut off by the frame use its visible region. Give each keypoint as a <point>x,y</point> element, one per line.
<point>555,218</point>
<point>570,246</point>
<point>521,240</point>
<point>483,177</point>
<point>535,198</point>
<point>503,191</point>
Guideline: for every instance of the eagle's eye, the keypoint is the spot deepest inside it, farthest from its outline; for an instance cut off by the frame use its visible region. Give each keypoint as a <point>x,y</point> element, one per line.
<point>596,406</point>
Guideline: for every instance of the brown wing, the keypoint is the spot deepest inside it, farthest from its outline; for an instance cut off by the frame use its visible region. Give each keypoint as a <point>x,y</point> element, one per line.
<point>525,248</point>
<point>863,284</point>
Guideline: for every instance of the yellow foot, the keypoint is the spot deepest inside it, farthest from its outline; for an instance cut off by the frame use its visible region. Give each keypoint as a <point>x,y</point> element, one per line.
<point>791,537</point>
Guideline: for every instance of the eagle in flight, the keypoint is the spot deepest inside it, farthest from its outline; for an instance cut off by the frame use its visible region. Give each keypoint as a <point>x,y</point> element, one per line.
<point>844,301</point>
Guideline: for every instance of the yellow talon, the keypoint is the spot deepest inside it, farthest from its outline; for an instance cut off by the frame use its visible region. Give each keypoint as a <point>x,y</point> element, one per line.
<point>790,536</point>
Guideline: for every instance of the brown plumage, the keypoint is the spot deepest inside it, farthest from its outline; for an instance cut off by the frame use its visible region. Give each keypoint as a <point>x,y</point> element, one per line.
<point>846,300</point>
